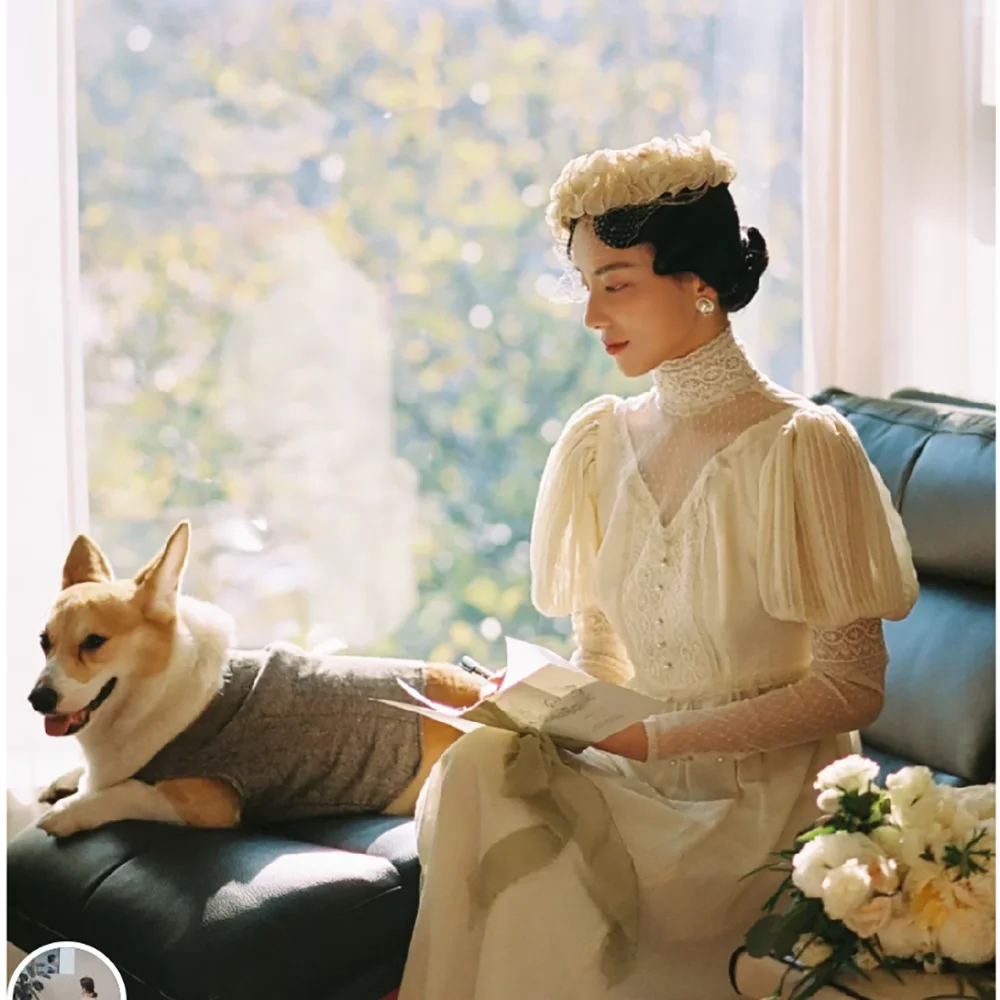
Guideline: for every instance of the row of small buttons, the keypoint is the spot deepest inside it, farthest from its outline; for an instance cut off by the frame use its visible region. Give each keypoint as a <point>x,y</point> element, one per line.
<point>665,561</point>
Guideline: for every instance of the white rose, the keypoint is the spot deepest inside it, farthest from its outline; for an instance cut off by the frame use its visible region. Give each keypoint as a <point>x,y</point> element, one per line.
<point>845,889</point>
<point>912,846</point>
<point>913,781</point>
<point>929,896</point>
<point>889,838</point>
<point>975,894</point>
<point>914,796</point>
<point>816,859</point>
<point>960,816</point>
<point>968,936</point>
<point>828,801</point>
<point>849,774</point>
<point>989,840</point>
<point>811,951</point>
<point>903,937</point>
<point>982,889</point>
<point>940,836</point>
<point>980,800</point>
<point>965,824</point>
<point>884,875</point>
<point>948,910</point>
<point>870,917</point>
<point>965,827</point>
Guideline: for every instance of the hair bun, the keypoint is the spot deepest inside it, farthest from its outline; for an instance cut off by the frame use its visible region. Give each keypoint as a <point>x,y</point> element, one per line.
<point>755,252</point>
<point>755,260</point>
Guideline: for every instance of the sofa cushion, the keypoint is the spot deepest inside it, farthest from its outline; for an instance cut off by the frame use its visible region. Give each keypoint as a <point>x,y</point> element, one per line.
<point>940,704</point>
<point>226,915</point>
<point>938,460</point>
<point>385,837</point>
<point>923,396</point>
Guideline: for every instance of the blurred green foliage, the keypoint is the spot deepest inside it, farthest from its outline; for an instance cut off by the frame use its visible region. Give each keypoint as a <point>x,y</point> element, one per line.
<point>422,137</point>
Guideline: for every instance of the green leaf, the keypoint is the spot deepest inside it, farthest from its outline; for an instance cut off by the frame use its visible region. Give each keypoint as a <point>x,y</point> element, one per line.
<point>787,934</point>
<point>772,867</point>
<point>762,935</point>
<point>820,831</point>
<point>772,900</point>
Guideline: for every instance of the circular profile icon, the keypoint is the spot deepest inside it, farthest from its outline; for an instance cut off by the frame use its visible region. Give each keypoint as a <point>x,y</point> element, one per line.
<point>66,970</point>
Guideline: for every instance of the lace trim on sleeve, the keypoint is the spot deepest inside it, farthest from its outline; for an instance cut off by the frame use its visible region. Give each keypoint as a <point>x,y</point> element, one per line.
<point>843,691</point>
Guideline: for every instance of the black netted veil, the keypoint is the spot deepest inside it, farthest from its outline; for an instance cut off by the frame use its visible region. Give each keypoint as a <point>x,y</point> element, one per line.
<point>696,231</point>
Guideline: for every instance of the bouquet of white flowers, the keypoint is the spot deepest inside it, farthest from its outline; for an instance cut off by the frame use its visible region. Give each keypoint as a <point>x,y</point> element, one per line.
<point>894,878</point>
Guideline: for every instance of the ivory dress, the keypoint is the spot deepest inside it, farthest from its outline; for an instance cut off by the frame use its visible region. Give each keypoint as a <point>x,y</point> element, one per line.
<point>722,545</point>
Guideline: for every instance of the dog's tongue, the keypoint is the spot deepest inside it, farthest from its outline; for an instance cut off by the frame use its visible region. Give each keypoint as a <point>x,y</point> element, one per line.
<point>60,725</point>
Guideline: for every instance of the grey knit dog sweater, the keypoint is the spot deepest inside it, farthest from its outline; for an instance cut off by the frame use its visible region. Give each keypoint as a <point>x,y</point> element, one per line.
<point>299,735</point>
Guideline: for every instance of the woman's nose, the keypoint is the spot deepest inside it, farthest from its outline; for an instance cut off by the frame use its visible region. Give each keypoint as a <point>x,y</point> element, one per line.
<point>594,317</point>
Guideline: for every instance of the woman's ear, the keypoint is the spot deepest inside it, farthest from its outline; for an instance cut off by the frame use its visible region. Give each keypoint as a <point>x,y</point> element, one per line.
<point>703,289</point>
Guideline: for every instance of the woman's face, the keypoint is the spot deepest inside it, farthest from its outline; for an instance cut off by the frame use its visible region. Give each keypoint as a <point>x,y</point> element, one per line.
<point>643,318</point>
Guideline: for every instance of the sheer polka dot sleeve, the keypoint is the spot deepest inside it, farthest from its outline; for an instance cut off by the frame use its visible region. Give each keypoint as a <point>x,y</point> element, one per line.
<point>843,691</point>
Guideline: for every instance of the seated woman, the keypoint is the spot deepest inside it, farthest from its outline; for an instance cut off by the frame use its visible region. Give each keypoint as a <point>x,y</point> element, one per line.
<point>721,544</point>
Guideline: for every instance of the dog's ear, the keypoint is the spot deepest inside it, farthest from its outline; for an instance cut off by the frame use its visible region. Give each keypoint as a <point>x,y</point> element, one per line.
<point>86,563</point>
<point>158,583</point>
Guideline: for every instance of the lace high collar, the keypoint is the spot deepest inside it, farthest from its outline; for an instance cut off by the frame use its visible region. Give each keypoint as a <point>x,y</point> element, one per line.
<point>708,376</point>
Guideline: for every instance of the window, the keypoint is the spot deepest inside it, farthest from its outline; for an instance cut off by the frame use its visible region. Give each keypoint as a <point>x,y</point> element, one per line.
<point>318,312</point>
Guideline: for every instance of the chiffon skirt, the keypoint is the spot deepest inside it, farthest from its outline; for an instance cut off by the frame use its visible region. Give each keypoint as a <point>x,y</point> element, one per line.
<point>694,828</point>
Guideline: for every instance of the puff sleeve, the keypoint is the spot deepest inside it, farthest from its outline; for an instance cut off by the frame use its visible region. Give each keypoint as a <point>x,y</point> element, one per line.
<point>565,533</point>
<point>565,537</point>
<point>831,547</point>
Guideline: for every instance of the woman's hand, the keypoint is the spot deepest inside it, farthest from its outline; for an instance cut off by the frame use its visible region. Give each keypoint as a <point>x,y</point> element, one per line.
<point>631,742</point>
<point>492,684</point>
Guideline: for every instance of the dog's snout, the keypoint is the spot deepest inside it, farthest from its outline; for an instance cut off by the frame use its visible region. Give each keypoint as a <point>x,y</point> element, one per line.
<point>43,699</point>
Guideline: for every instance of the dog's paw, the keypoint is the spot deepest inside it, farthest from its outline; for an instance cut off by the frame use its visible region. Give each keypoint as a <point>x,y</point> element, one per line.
<point>62,788</point>
<point>68,816</point>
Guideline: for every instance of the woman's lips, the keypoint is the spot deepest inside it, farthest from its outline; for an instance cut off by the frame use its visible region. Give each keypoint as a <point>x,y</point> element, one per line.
<point>616,348</point>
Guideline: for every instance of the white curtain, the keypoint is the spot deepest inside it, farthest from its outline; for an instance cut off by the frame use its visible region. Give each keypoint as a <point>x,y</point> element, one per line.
<point>46,474</point>
<point>899,196</point>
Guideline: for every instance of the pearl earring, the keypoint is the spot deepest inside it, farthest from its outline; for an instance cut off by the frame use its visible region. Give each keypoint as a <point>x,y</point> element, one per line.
<point>705,306</point>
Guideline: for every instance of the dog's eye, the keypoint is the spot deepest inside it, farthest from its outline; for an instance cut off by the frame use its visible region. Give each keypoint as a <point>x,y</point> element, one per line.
<point>92,642</point>
<point>46,643</point>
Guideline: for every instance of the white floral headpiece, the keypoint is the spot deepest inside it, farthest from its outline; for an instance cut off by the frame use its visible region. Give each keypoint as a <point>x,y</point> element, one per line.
<point>655,171</point>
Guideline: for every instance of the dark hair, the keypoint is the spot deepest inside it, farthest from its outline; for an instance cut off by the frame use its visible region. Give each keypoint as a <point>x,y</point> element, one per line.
<point>701,237</point>
<point>88,984</point>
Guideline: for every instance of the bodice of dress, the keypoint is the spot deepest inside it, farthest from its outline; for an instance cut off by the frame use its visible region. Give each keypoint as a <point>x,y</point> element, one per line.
<point>671,498</point>
<point>717,538</point>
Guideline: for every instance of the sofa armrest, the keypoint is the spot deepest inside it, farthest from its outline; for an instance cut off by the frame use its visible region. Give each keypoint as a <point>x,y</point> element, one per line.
<point>216,915</point>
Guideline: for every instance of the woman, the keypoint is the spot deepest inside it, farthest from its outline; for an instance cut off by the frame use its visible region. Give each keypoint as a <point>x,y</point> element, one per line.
<point>87,991</point>
<point>721,544</point>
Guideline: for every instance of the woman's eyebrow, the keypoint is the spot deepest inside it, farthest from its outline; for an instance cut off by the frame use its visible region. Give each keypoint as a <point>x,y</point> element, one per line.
<point>614,266</point>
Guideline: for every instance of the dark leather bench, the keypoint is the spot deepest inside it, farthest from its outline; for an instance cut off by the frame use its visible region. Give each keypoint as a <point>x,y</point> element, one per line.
<point>324,908</point>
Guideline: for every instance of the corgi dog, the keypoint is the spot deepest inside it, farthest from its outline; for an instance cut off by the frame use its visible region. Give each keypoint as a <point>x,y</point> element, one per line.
<point>177,727</point>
